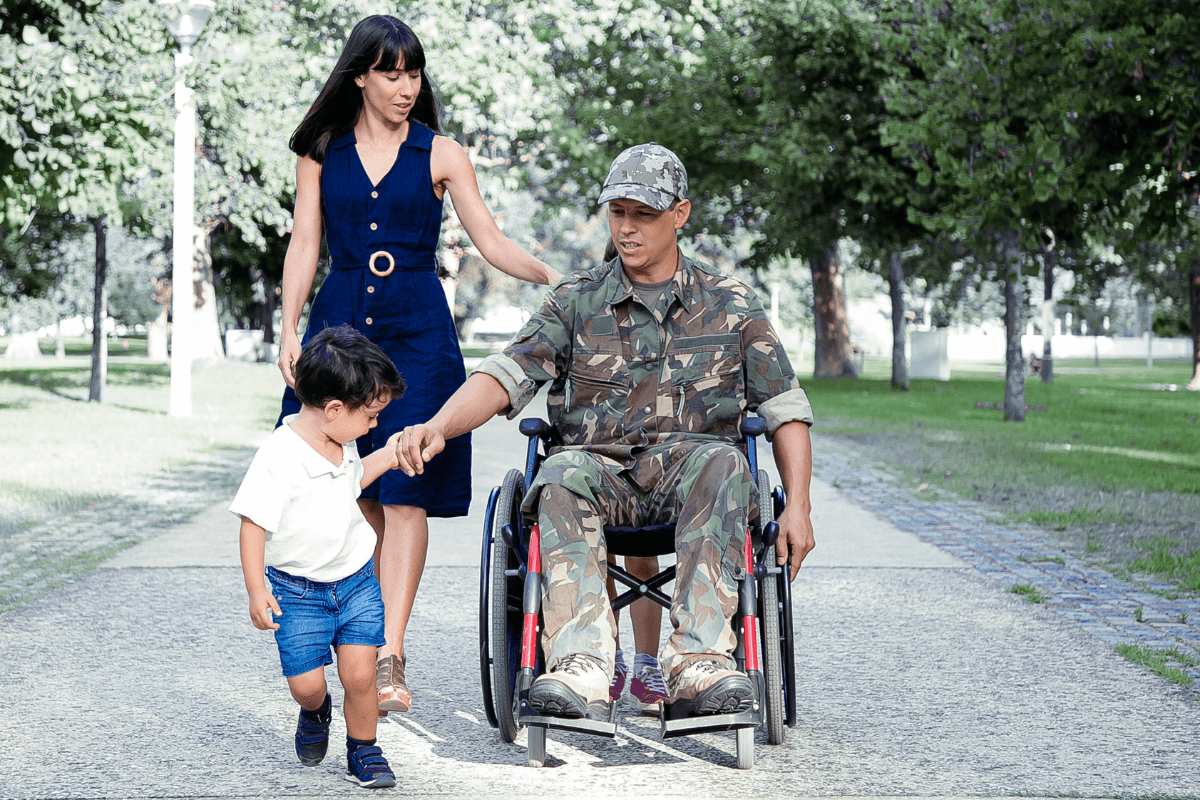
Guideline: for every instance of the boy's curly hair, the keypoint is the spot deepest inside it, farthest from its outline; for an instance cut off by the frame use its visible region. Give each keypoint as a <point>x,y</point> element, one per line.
<point>342,364</point>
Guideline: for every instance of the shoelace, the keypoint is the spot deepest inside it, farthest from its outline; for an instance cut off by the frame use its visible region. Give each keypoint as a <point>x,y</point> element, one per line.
<point>652,679</point>
<point>708,666</point>
<point>695,670</point>
<point>576,664</point>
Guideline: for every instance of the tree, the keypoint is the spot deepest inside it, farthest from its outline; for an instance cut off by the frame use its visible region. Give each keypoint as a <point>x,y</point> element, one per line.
<point>76,122</point>
<point>783,109</point>
<point>1020,130</point>
<point>832,175</point>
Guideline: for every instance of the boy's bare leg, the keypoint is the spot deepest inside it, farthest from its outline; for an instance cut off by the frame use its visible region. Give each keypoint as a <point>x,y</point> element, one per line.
<point>356,670</point>
<point>309,688</point>
<point>645,614</point>
<point>611,585</point>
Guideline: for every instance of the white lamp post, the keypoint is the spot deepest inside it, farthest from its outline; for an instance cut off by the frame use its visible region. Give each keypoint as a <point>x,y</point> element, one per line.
<point>185,19</point>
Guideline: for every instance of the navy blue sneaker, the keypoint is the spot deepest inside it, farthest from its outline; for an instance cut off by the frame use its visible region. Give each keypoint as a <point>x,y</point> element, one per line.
<point>312,733</point>
<point>367,767</point>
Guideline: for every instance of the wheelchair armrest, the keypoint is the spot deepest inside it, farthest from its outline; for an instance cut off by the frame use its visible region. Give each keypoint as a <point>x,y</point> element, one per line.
<point>753,426</point>
<point>535,427</point>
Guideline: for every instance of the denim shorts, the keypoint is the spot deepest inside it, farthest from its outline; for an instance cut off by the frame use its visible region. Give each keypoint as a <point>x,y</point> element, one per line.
<point>318,616</point>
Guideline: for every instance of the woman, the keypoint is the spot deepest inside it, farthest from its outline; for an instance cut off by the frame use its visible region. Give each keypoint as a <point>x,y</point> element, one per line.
<point>372,174</point>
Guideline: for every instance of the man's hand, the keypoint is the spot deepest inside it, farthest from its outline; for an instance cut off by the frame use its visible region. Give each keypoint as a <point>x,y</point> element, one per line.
<point>262,605</point>
<point>795,538</point>
<point>419,444</point>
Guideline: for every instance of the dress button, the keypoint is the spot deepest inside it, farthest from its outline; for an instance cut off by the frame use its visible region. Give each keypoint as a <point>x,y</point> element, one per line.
<point>369,320</point>
<point>370,290</point>
<point>648,409</point>
<point>374,194</point>
<point>374,226</point>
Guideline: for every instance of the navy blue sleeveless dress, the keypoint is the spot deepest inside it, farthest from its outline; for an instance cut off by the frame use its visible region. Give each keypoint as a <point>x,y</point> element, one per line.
<point>405,313</point>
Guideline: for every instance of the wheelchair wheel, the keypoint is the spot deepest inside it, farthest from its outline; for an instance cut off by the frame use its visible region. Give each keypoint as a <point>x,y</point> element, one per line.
<point>506,611</point>
<point>768,608</point>
<point>485,609</point>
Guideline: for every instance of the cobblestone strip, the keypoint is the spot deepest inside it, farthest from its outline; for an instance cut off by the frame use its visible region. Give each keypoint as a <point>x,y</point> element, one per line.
<point>46,556</point>
<point>1097,601</point>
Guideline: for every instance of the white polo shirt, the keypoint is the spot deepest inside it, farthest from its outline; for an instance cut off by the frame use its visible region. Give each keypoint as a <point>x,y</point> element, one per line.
<point>307,506</point>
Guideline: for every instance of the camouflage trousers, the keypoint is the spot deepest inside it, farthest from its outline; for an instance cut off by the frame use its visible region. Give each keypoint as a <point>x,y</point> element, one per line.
<point>705,488</point>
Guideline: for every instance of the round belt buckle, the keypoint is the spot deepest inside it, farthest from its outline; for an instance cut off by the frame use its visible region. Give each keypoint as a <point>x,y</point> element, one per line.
<point>391,263</point>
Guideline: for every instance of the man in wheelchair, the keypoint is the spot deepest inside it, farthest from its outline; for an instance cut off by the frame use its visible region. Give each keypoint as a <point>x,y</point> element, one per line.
<point>652,359</point>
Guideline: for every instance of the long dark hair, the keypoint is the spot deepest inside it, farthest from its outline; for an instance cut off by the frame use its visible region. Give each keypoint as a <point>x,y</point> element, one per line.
<point>379,42</point>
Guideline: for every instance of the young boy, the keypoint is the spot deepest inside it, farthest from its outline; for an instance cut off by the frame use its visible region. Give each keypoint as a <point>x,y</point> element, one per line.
<point>301,520</point>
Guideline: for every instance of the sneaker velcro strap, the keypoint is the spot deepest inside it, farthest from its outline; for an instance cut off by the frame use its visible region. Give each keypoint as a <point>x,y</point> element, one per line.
<point>368,762</point>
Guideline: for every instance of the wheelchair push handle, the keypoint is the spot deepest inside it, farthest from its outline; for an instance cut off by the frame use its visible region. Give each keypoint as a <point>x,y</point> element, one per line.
<point>534,427</point>
<point>753,426</point>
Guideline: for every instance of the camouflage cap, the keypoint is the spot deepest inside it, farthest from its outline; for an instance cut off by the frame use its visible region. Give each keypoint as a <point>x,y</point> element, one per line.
<point>648,173</point>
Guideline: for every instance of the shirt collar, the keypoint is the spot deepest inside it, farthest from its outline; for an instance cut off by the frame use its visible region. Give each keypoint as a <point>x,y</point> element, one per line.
<point>314,463</point>
<point>682,284</point>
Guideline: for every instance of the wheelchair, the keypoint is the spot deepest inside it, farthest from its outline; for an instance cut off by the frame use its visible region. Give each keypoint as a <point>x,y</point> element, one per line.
<point>510,596</point>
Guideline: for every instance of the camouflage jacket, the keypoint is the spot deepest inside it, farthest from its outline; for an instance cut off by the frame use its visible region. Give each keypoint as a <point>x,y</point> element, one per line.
<point>625,378</point>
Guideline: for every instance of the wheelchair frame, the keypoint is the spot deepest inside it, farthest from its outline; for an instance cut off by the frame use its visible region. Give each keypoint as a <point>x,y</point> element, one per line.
<point>510,589</point>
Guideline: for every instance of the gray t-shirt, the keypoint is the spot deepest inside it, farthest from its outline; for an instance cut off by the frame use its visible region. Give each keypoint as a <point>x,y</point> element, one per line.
<point>650,292</point>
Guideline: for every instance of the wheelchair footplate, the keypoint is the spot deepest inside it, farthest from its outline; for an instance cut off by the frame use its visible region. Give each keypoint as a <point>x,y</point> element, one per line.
<point>679,719</point>
<point>594,723</point>
<point>673,726</point>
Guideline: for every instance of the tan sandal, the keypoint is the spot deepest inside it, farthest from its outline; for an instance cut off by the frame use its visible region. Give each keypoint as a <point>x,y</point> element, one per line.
<point>389,683</point>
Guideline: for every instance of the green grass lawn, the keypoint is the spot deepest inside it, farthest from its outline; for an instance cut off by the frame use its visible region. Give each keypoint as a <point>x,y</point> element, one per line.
<point>1106,456</point>
<point>60,452</point>
<point>132,345</point>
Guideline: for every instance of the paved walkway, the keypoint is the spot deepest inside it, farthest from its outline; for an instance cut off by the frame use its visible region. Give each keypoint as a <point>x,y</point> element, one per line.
<point>919,674</point>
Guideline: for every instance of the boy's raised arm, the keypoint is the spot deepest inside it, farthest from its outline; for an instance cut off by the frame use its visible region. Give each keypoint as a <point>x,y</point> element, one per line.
<point>380,461</point>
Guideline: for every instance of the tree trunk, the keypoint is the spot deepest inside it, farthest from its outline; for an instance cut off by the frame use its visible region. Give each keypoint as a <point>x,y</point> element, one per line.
<point>896,290</point>
<point>205,339</point>
<point>60,341</point>
<point>829,308</point>
<point>1048,316</point>
<point>99,314</point>
<point>1014,325</point>
<point>1194,302</point>
<point>266,310</point>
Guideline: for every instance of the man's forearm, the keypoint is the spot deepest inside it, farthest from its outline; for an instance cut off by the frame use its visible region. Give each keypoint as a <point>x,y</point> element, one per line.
<point>476,401</point>
<point>793,457</point>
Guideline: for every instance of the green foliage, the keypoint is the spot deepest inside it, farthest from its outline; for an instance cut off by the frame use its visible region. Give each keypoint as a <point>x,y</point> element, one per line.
<point>1043,114</point>
<point>1171,663</point>
<point>77,113</point>
<point>1172,319</point>
<point>1166,559</point>
<point>1029,593</point>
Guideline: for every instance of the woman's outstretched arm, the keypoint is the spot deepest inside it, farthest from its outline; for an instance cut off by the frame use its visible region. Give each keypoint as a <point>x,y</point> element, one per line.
<point>452,169</point>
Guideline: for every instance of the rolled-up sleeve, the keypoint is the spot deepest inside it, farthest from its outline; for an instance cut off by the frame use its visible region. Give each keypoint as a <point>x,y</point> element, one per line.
<point>772,390</point>
<point>537,354</point>
<point>514,380</point>
<point>791,406</point>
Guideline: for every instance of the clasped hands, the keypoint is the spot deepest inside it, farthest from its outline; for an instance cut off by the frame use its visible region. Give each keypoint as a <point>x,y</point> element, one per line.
<point>418,444</point>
